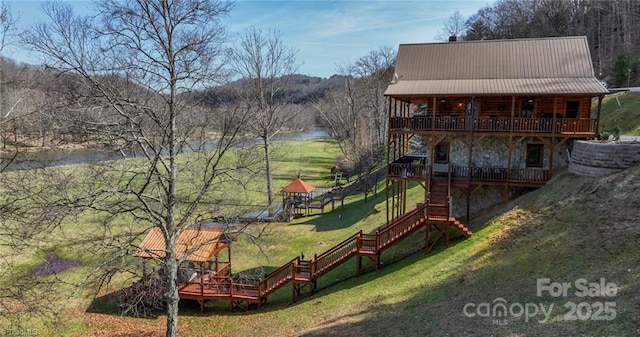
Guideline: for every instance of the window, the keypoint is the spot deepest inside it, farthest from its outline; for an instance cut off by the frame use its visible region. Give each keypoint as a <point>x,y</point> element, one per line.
<point>535,154</point>
<point>527,107</point>
<point>572,109</point>
<point>442,153</point>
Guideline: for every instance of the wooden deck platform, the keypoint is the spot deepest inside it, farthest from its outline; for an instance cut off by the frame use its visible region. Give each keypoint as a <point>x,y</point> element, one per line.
<point>301,273</point>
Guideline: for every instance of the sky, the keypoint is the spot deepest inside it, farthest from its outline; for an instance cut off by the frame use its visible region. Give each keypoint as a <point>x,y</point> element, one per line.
<point>324,33</point>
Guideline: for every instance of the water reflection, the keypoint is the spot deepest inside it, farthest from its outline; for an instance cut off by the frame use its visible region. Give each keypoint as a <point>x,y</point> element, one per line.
<point>32,160</point>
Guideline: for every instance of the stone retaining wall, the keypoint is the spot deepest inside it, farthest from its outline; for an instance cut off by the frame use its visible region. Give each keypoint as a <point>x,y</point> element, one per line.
<point>595,158</point>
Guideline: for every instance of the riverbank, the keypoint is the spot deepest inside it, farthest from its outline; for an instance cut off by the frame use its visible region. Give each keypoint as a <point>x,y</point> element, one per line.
<point>23,158</point>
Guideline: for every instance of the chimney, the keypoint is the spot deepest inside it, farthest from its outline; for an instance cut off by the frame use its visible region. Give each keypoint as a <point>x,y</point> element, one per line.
<point>453,38</point>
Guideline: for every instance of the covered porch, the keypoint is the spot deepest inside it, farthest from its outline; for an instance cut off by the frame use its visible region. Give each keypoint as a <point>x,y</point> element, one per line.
<point>563,115</point>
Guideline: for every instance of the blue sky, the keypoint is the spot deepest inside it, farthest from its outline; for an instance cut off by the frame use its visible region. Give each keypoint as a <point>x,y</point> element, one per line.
<point>325,33</point>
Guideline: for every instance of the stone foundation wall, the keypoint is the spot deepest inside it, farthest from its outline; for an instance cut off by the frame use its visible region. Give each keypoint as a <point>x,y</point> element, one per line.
<point>491,152</point>
<point>593,158</point>
<point>481,199</point>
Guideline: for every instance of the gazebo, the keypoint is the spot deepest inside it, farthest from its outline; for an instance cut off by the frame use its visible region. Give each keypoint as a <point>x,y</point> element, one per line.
<point>198,251</point>
<point>297,196</point>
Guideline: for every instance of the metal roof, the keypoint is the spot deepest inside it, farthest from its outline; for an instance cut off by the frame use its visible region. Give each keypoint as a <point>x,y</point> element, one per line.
<point>560,65</point>
<point>192,244</point>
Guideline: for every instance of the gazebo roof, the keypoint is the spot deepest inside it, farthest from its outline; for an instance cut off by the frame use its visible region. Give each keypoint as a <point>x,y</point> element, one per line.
<point>192,244</point>
<point>298,186</point>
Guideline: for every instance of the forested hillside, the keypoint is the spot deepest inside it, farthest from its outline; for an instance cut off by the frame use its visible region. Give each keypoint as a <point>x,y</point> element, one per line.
<point>611,27</point>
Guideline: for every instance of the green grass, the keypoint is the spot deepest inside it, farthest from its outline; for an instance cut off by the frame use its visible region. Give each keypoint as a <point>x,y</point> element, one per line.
<point>626,115</point>
<point>80,238</point>
<point>574,227</point>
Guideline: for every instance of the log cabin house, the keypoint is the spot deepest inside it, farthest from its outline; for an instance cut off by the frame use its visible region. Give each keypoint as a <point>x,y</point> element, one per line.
<point>493,114</point>
<point>468,116</point>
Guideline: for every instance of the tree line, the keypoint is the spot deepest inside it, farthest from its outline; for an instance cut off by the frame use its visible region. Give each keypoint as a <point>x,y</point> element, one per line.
<point>612,29</point>
<point>153,76</point>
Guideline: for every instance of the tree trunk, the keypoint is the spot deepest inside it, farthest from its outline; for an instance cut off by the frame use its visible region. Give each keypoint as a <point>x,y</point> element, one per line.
<point>172,231</point>
<point>172,286</point>
<point>267,163</point>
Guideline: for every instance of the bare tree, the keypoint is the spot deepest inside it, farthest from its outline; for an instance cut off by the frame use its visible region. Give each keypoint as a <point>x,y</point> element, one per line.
<point>7,28</point>
<point>7,25</point>
<point>454,26</point>
<point>610,26</point>
<point>135,63</point>
<point>357,115</point>
<point>265,65</point>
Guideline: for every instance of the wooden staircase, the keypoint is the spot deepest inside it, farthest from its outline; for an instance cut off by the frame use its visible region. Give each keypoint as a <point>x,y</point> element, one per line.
<point>301,273</point>
<point>439,206</point>
<point>461,228</point>
<point>438,199</point>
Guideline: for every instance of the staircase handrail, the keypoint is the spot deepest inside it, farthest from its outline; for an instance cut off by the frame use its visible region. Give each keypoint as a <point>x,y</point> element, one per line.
<point>405,222</point>
<point>264,290</point>
<point>338,246</point>
<point>324,262</point>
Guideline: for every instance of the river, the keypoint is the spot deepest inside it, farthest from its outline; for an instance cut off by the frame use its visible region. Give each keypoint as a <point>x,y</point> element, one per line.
<point>31,160</point>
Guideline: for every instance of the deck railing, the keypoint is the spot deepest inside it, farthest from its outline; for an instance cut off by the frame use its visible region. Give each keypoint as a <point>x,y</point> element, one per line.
<point>484,174</point>
<point>400,227</point>
<point>327,260</point>
<point>308,270</point>
<point>501,174</point>
<point>494,124</point>
<point>406,170</point>
<point>368,243</point>
<point>278,277</point>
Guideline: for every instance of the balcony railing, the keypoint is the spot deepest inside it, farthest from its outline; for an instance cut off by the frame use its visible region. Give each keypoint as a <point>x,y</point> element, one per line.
<point>408,170</point>
<point>494,124</point>
<point>483,174</point>
<point>501,174</point>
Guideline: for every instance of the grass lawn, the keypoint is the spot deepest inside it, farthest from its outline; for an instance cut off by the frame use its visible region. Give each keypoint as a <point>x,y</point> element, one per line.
<point>574,227</point>
<point>626,115</point>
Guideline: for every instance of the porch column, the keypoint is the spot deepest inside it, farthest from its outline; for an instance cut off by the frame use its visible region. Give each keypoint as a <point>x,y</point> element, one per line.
<point>469,164</point>
<point>555,110</point>
<point>433,115</point>
<point>551,150</point>
<point>513,112</point>
<point>597,125</point>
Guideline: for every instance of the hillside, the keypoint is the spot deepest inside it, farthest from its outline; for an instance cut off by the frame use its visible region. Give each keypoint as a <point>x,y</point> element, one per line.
<point>575,227</point>
<point>300,89</point>
<point>626,115</point>
<point>572,229</point>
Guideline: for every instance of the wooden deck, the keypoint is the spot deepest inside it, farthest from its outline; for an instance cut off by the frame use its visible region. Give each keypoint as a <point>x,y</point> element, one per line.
<point>517,125</point>
<point>301,273</point>
<point>402,169</point>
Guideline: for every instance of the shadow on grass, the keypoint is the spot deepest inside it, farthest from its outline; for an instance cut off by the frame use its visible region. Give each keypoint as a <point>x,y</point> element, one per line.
<point>344,216</point>
<point>438,309</point>
<point>506,263</point>
<point>107,304</point>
